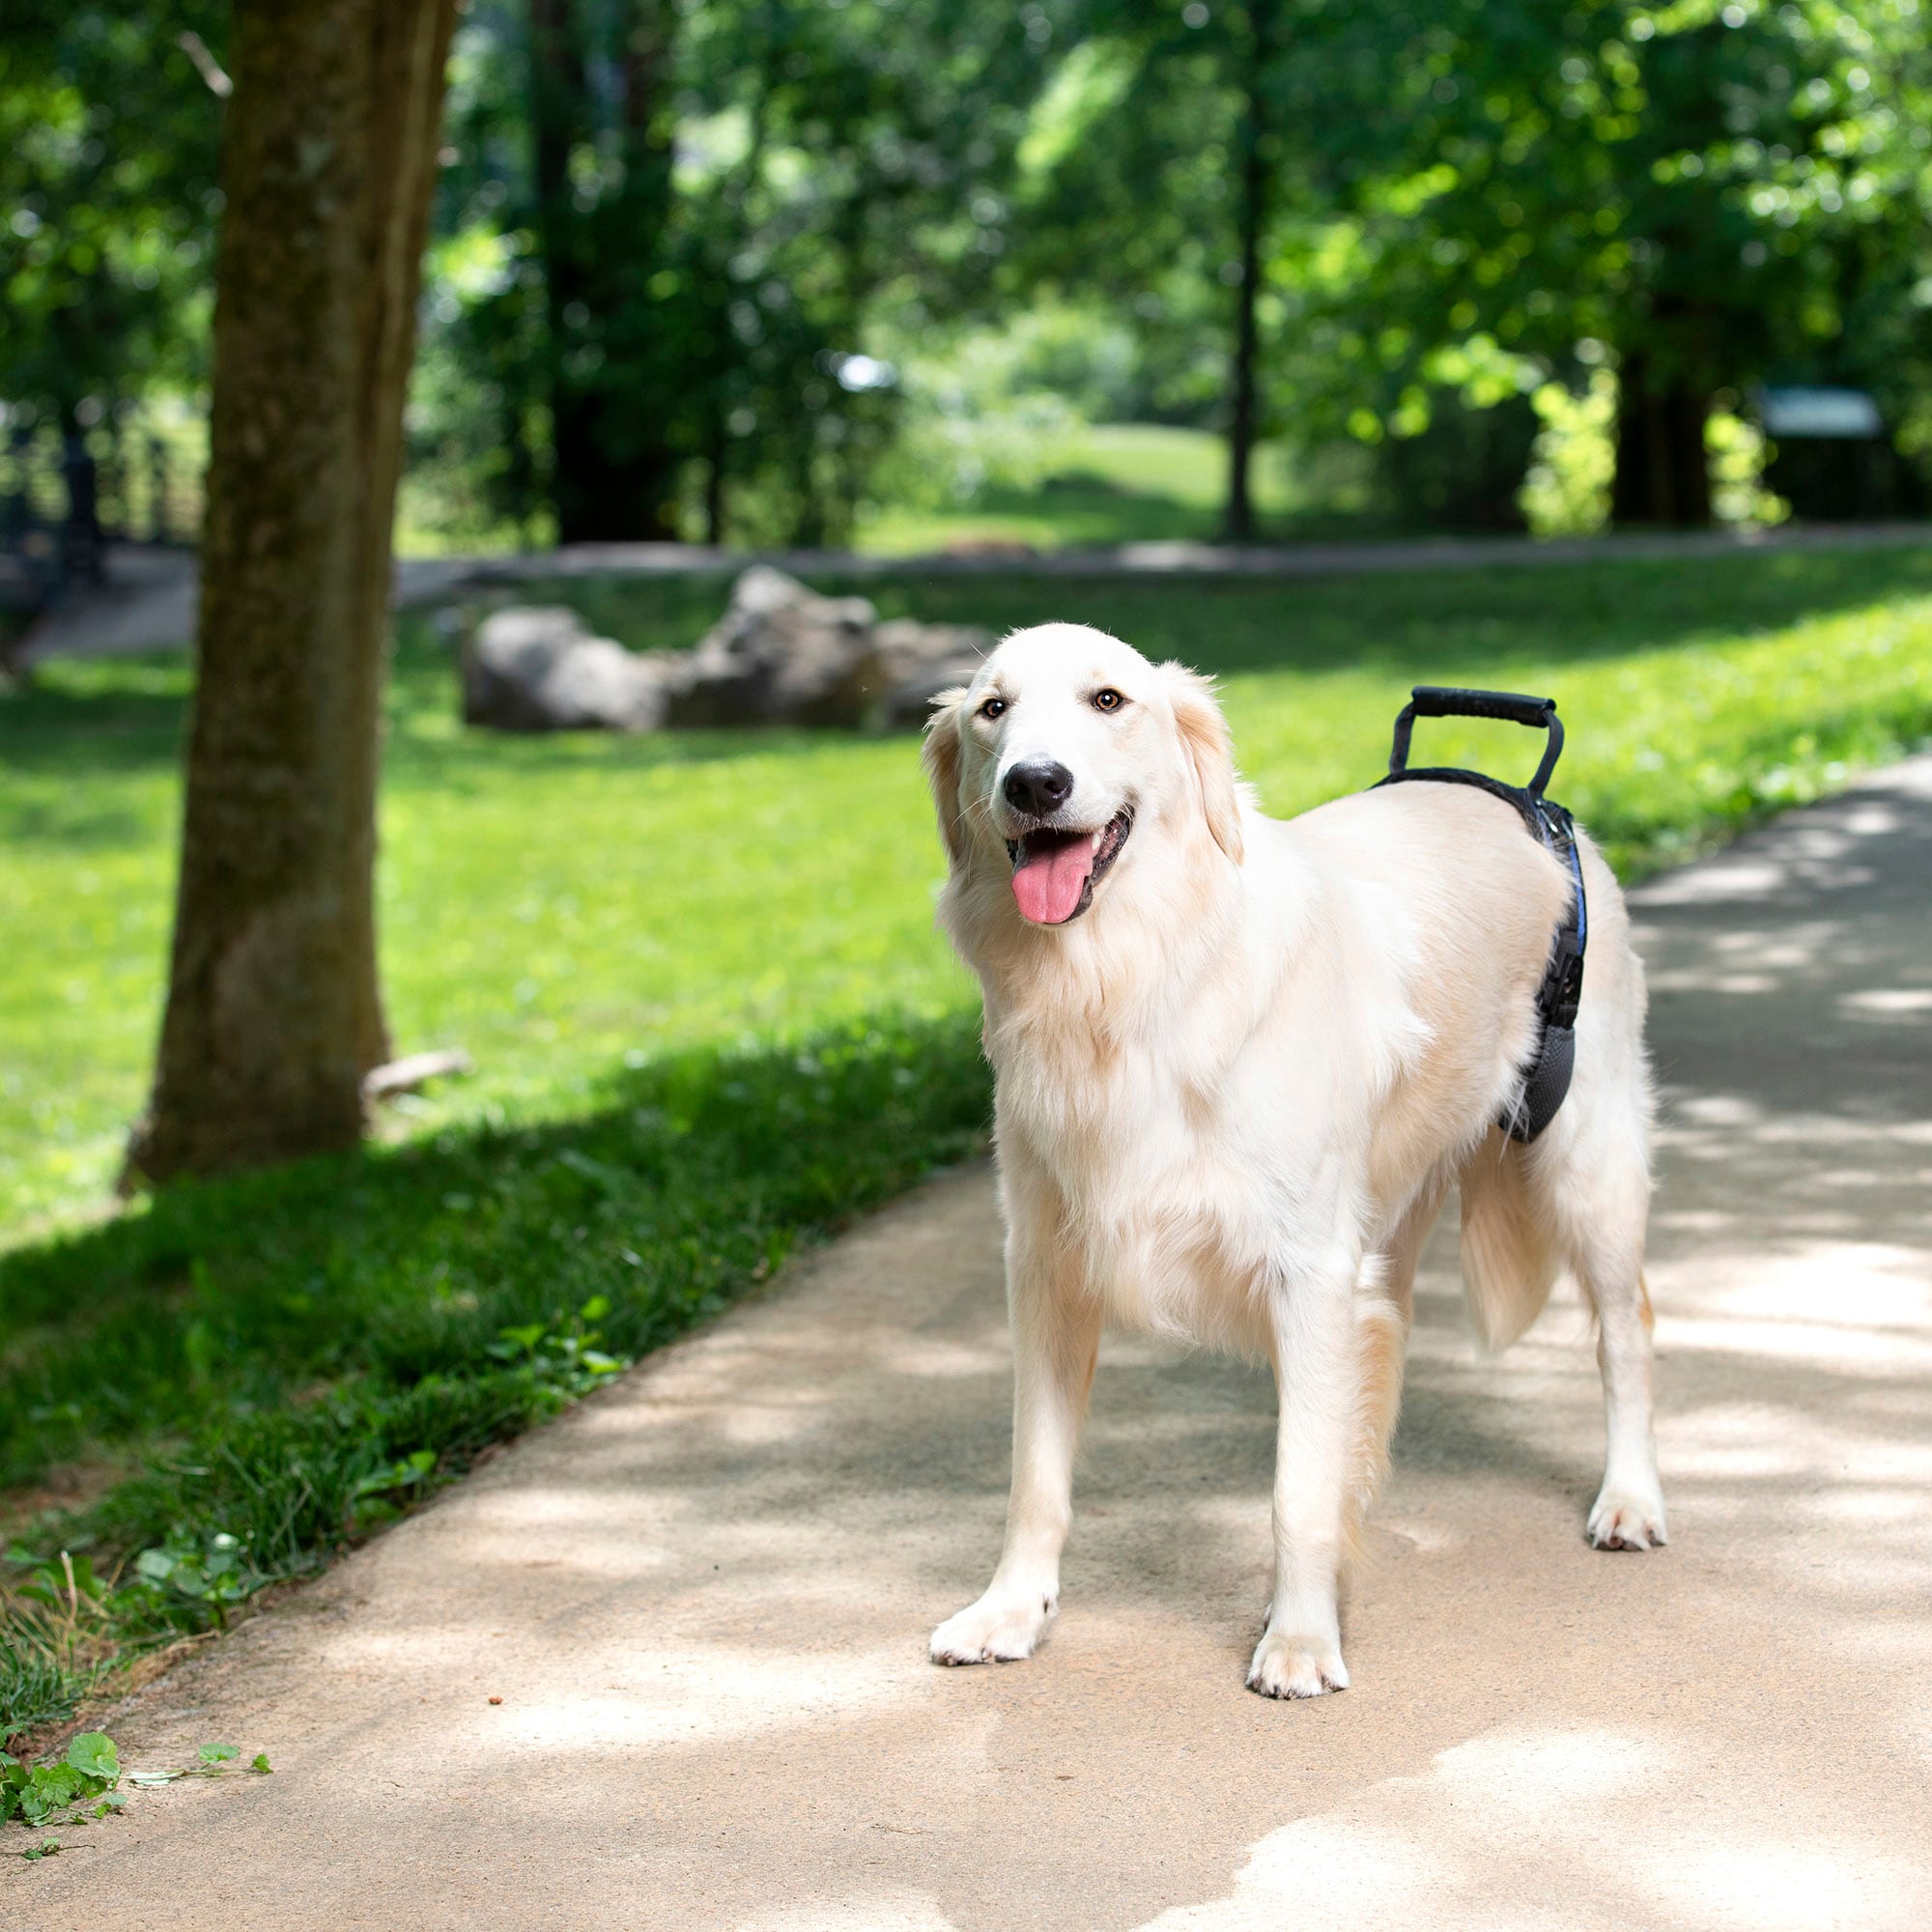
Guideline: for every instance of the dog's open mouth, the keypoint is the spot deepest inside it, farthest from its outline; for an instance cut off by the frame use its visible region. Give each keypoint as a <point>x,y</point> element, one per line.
<point>1054,873</point>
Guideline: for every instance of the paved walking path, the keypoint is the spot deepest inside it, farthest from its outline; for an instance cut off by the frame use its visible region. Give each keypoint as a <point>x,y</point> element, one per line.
<point>703,1598</point>
<point>150,601</point>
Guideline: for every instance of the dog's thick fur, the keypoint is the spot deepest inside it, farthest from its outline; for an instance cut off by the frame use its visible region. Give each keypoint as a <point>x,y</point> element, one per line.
<point>1236,1086</point>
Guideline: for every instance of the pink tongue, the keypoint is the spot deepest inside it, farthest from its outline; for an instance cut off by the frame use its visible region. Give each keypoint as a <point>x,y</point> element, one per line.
<point>1048,887</point>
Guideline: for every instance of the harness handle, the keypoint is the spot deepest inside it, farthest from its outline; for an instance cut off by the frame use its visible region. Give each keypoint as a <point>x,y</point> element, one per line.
<point>1508,707</point>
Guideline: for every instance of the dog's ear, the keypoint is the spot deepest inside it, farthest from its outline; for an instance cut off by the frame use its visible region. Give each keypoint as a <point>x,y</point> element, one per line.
<point>1204,738</point>
<point>940,755</point>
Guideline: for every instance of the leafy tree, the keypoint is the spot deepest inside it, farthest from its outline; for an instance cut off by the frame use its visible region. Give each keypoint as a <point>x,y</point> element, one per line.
<point>709,273</point>
<point>479,418</point>
<point>1682,183</point>
<point>1389,220</point>
<point>109,135</point>
<point>1155,170</point>
<point>884,134</point>
<point>1197,166</point>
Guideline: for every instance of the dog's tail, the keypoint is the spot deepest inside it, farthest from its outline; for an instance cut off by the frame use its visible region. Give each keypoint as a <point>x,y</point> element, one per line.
<point>1510,1256</point>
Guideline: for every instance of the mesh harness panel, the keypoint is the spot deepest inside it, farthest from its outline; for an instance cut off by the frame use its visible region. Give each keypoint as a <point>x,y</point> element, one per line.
<point>1546,1078</point>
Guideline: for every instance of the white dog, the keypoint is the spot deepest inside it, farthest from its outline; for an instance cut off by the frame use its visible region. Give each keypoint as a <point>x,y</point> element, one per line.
<point>1239,1063</point>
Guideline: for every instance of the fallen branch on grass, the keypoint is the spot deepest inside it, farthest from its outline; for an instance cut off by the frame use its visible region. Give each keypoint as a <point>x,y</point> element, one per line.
<point>413,1070</point>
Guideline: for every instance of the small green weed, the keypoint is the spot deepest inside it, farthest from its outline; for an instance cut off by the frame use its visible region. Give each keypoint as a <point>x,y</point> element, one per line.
<point>53,1795</point>
<point>84,1786</point>
<point>264,1500</point>
<point>210,1761</point>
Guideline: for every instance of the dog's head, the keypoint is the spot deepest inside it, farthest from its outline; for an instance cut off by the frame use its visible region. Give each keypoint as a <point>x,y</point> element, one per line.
<point>1066,749</point>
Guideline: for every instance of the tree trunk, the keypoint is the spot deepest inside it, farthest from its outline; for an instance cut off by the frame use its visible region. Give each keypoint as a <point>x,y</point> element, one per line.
<point>560,100</point>
<point>715,447</point>
<point>614,468</point>
<point>1251,191</point>
<point>273,1012</point>
<point>1663,472</point>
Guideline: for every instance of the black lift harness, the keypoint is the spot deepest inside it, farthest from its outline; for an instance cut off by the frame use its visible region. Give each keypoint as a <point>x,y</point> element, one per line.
<point>1546,1079</point>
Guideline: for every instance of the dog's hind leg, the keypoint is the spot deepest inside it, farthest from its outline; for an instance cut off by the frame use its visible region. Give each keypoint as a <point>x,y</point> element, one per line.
<point>1056,1323</point>
<point>1317,1365</point>
<point>1629,1511</point>
<point>1595,1188</point>
<point>1589,1175</point>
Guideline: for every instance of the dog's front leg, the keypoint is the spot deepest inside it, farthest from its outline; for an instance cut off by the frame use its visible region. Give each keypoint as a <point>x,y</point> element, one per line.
<point>1316,1375</point>
<point>1056,1322</point>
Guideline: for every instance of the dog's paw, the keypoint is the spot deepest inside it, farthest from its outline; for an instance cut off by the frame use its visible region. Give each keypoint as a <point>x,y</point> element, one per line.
<point>1628,1518</point>
<point>999,1629</point>
<point>1286,1665</point>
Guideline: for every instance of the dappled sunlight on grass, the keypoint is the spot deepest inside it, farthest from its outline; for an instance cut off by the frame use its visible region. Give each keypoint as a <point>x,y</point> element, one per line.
<point>296,1355</point>
<point>693,1175</point>
<point>1118,483</point>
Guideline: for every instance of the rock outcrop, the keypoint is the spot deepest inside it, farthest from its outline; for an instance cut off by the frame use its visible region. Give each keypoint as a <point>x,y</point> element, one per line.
<point>781,654</point>
<point>537,669</point>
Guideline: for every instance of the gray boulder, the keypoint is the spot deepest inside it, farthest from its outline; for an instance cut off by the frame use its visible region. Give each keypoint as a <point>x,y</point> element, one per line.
<point>537,669</point>
<point>781,654</point>
<point>913,662</point>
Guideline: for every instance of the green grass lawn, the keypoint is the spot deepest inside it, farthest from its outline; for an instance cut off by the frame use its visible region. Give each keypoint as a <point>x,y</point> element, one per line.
<point>710,1016</point>
<point>1116,483</point>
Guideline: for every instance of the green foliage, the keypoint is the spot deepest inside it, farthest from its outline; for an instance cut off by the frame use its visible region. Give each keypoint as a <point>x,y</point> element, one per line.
<point>57,1619</point>
<point>1738,451</point>
<point>1452,195</point>
<point>42,1795</point>
<point>741,269</point>
<point>1567,490</point>
<point>108,203</point>
<point>977,416</point>
<point>93,1755</point>
<point>37,1685</point>
<point>1710,191</point>
<point>84,1786</point>
<point>668,234</point>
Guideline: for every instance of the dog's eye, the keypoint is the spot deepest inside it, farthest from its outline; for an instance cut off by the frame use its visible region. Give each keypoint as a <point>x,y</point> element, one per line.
<point>1108,700</point>
<point>992,707</point>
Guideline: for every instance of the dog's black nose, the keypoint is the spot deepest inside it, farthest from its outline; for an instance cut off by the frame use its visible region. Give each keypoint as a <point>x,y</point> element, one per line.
<point>1039,790</point>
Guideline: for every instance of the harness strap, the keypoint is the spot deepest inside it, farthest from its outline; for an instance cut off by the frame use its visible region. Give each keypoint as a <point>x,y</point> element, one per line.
<point>1547,1076</point>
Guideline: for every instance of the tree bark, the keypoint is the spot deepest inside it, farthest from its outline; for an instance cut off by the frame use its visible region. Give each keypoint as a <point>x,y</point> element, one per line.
<point>613,470</point>
<point>1663,470</point>
<point>716,446</point>
<point>273,1012</point>
<point>1251,204</point>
